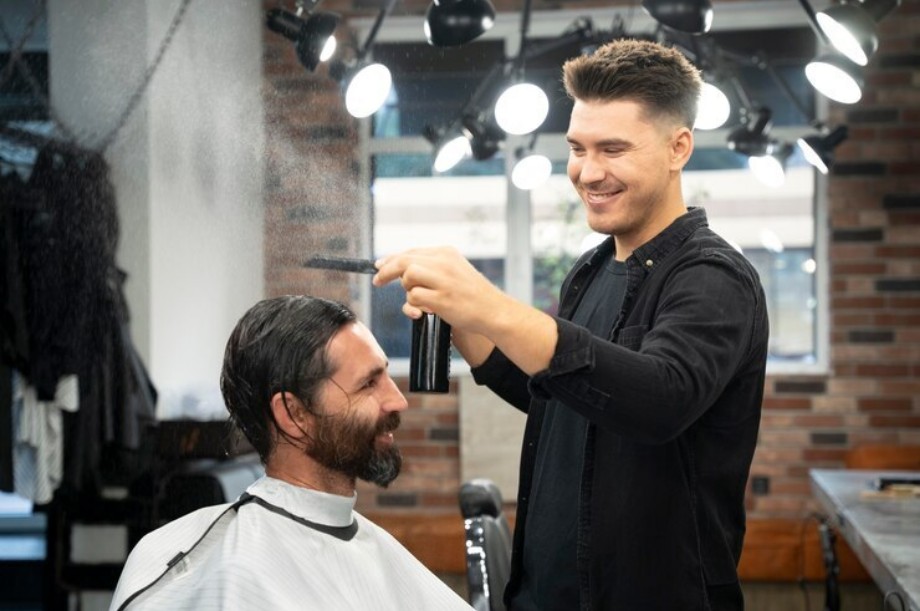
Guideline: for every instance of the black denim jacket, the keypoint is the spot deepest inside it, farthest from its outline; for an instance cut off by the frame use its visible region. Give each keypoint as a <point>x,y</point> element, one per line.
<point>673,399</point>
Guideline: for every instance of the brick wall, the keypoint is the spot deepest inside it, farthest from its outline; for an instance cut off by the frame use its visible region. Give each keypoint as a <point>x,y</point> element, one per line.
<point>313,195</point>
<point>872,394</point>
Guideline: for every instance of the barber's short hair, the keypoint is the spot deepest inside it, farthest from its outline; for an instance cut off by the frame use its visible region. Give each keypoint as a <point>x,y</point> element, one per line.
<point>658,77</point>
<point>278,345</point>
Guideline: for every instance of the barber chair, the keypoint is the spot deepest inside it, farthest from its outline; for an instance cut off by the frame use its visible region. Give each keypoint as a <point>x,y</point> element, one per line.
<point>488,544</point>
<point>831,566</point>
<point>203,482</point>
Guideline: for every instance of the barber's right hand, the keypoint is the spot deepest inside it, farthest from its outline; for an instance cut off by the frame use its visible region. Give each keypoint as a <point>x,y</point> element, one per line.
<point>442,281</point>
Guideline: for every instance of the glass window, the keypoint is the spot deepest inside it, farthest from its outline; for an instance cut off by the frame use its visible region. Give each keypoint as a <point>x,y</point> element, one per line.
<point>466,207</point>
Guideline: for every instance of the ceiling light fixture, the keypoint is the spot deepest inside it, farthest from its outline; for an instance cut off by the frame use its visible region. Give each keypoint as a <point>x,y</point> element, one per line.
<point>751,139</point>
<point>713,108</point>
<point>688,16</point>
<point>522,107</point>
<point>835,77</point>
<point>451,147</point>
<point>367,89</point>
<point>367,84</point>
<point>531,170</point>
<point>851,26</point>
<point>766,157</point>
<point>485,138</point>
<point>818,149</point>
<point>770,168</point>
<point>313,38</point>
<point>451,153</point>
<point>484,126</point>
<point>450,23</point>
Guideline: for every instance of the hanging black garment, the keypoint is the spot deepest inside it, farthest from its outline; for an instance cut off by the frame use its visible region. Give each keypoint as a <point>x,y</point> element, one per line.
<point>66,255</point>
<point>76,317</point>
<point>16,201</point>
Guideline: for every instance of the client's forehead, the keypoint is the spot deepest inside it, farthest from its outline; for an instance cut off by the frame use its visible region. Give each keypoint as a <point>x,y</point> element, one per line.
<point>354,352</point>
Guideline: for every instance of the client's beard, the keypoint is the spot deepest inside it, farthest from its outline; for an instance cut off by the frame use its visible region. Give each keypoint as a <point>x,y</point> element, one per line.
<point>347,445</point>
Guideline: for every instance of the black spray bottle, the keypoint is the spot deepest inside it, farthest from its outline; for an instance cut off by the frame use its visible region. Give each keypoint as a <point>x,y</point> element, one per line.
<point>429,361</point>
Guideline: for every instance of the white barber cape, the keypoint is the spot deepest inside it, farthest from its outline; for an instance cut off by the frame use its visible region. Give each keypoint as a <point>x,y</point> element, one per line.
<point>256,558</point>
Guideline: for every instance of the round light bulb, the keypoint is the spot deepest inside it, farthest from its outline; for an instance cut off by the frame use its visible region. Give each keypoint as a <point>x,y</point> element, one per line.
<point>531,172</point>
<point>368,90</point>
<point>521,108</point>
<point>452,153</point>
<point>328,49</point>
<point>771,241</point>
<point>842,38</point>
<point>713,108</point>
<point>811,155</point>
<point>768,170</point>
<point>833,81</point>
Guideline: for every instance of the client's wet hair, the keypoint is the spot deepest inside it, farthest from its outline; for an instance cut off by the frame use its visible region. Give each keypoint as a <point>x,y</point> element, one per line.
<point>279,345</point>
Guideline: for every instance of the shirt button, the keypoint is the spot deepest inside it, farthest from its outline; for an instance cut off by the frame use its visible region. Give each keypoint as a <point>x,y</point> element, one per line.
<point>649,263</point>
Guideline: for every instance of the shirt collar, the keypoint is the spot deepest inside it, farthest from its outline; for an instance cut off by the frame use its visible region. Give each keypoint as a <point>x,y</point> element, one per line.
<point>671,237</point>
<point>312,505</point>
<point>662,244</point>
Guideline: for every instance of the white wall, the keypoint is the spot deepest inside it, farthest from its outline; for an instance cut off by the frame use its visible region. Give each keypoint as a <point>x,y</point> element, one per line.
<point>187,166</point>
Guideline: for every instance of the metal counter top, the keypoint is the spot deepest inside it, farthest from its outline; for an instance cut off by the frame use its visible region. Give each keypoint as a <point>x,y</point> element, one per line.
<point>883,532</point>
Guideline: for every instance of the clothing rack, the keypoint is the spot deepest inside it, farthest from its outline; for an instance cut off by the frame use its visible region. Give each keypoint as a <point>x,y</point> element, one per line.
<point>65,252</point>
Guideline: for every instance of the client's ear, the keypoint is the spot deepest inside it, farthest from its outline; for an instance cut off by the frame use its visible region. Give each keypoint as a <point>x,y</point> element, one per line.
<point>290,414</point>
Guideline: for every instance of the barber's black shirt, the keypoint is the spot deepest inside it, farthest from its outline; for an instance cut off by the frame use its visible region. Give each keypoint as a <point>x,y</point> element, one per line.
<point>550,580</point>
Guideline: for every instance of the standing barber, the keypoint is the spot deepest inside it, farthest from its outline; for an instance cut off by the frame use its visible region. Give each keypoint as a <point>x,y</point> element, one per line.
<point>643,396</point>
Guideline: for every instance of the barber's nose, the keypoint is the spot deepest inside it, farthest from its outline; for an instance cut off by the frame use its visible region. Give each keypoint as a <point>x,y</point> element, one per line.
<point>591,170</point>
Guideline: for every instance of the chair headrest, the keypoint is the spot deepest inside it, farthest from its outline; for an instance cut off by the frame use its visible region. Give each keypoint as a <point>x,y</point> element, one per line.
<point>480,497</point>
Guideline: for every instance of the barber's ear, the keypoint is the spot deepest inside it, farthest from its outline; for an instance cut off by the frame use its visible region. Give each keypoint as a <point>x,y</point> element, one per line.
<point>293,418</point>
<point>681,148</point>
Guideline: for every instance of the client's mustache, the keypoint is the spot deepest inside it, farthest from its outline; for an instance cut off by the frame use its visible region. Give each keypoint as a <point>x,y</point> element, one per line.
<point>388,423</point>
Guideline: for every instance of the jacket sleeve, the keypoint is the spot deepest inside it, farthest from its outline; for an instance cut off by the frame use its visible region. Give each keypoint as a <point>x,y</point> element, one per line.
<point>661,377</point>
<point>505,379</point>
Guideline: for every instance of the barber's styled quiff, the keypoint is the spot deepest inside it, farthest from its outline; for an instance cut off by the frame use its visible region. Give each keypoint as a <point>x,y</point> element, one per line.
<point>660,78</point>
<point>279,345</point>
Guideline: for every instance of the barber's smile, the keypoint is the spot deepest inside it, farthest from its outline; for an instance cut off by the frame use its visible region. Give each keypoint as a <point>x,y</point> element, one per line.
<point>601,198</point>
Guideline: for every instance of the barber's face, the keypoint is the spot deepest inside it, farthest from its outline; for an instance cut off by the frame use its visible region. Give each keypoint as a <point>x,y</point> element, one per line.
<point>619,162</point>
<point>360,410</point>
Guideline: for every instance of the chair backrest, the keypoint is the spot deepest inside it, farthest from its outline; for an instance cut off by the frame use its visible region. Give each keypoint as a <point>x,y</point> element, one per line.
<point>881,456</point>
<point>488,544</point>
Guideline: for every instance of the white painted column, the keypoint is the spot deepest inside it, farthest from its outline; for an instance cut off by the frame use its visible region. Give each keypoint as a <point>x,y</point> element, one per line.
<point>187,166</point>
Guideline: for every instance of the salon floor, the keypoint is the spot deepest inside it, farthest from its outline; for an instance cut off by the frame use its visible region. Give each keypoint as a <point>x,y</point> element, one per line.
<point>791,597</point>
<point>772,596</point>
